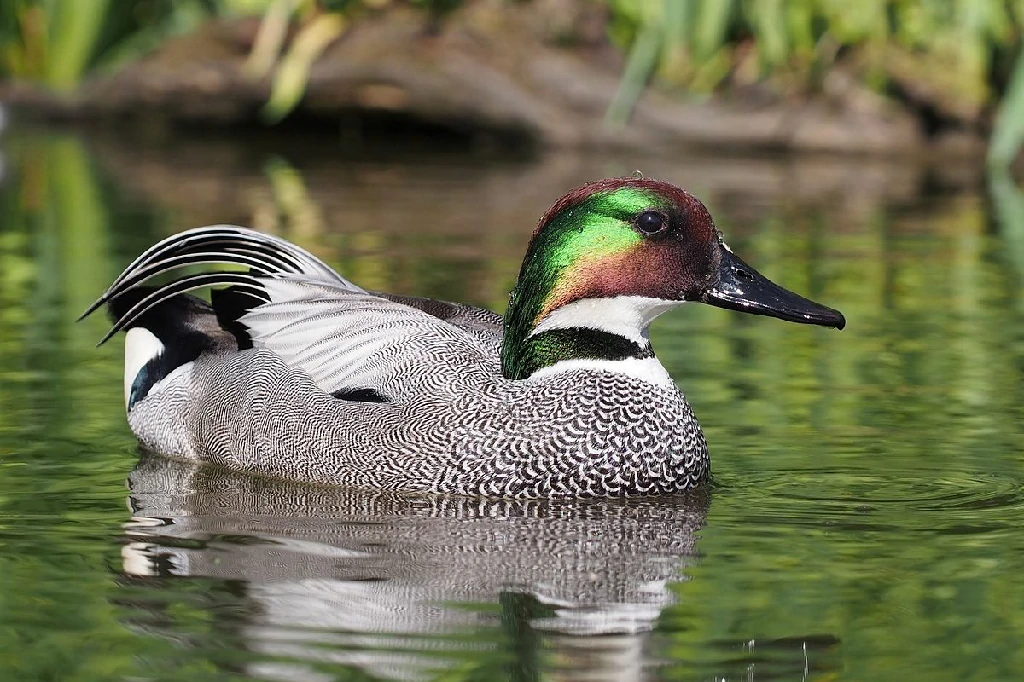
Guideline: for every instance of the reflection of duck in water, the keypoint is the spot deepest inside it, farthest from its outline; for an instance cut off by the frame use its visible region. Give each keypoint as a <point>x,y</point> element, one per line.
<point>298,373</point>
<point>399,585</point>
<point>292,581</point>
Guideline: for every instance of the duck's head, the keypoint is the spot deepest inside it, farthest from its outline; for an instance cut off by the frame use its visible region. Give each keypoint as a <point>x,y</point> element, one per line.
<point>612,255</point>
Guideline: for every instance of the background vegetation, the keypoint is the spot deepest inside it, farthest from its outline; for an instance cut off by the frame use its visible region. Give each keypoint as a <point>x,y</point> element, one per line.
<point>957,60</point>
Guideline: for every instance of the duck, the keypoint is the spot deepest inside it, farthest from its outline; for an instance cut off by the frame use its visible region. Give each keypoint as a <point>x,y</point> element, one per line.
<point>292,371</point>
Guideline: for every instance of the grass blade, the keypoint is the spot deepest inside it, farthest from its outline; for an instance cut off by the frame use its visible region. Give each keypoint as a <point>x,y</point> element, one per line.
<point>1008,132</point>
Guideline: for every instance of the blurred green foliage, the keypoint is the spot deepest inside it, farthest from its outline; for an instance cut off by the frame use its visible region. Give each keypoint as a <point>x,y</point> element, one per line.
<point>701,42</point>
<point>962,53</point>
<point>57,42</point>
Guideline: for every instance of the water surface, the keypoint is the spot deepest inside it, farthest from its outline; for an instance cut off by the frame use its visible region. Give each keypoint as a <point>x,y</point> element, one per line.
<point>865,518</point>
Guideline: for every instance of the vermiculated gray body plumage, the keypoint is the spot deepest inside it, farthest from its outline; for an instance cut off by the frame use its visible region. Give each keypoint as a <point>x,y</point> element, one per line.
<point>576,434</point>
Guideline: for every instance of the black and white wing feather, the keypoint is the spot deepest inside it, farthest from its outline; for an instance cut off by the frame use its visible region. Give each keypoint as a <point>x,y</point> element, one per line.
<point>263,254</point>
<point>345,338</point>
<point>348,341</point>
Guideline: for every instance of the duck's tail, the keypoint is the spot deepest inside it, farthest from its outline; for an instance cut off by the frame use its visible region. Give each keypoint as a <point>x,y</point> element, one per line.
<point>167,328</point>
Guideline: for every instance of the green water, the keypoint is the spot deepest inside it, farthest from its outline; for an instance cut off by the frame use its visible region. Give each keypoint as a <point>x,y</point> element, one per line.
<point>866,521</point>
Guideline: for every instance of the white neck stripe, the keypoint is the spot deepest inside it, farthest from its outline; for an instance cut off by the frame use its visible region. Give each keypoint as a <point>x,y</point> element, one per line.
<point>626,316</point>
<point>645,369</point>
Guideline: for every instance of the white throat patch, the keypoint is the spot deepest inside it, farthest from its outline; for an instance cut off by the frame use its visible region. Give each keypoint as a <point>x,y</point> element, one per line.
<point>626,316</point>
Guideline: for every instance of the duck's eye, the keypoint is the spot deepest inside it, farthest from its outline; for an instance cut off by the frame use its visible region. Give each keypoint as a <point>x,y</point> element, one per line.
<point>650,222</point>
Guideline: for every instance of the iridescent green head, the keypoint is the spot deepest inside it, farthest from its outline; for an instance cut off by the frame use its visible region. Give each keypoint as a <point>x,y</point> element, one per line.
<point>625,248</point>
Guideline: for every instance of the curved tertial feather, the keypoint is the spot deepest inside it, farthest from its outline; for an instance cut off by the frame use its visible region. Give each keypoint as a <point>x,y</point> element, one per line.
<point>226,244</point>
<point>184,285</point>
<point>264,254</point>
<point>346,340</point>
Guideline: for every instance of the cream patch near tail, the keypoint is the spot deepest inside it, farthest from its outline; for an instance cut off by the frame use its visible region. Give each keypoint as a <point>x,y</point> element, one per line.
<point>140,346</point>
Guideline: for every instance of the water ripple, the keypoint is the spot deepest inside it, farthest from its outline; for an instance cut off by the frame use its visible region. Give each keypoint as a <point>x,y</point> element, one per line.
<point>973,501</point>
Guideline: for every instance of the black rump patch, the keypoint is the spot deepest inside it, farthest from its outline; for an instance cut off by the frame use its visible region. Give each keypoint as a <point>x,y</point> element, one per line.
<point>230,305</point>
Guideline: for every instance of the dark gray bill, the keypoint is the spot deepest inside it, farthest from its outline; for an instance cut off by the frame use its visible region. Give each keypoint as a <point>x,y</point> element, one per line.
<point>741,287</point>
